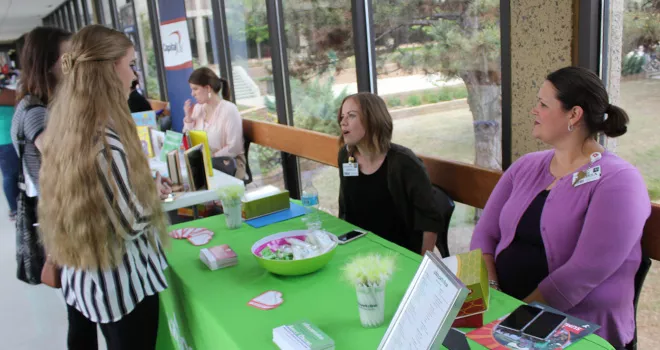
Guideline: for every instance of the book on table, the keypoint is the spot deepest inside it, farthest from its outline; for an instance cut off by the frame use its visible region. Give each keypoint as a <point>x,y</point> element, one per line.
<point>196,166</point>
<point>145,140</point>
<point>174,168</point>
<point>157,141</point>
<point>173,141</point>
<point>302,335</point>
<point>200,137</point>
<point>146,118</point>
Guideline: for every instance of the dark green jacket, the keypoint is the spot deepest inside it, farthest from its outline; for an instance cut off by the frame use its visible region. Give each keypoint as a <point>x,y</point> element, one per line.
<point>411,190</point>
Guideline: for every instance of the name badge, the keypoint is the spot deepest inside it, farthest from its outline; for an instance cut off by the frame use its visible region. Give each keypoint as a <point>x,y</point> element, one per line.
<point>350,169</point>
<point>586,176</point>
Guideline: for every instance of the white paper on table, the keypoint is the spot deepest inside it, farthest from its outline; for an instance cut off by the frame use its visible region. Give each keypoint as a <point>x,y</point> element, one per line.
<point>428,308</point>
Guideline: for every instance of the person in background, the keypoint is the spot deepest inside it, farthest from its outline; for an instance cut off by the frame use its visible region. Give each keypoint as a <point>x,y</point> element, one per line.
<point>41,73</point>
<point>563,227</point>
<point>40,61</point>
<point>8,159</point>
<point>107,237</point>
<point>137,102</point>
<point>216,115</point>
<point>389,192</point>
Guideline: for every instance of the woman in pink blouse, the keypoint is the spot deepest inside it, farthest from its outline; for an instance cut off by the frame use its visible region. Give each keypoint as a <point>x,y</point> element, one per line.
<point>216,115</point>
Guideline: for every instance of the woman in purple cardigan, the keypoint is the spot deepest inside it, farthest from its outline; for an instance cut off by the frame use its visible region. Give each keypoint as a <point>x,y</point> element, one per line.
<point>563,227</point>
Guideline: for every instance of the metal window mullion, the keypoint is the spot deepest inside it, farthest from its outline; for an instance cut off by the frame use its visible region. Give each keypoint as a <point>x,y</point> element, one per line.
<point>69,13</point>
<point>56,19</point>
<point>505,67</point>
<point>63,23</point>
<point>154,23</point>
<point>589,35</point>
<point>76,11</point>
<point>275,16</point>
<point>85,15</point>
<point>138,44</point>
<point>605,53</point>
<point>114,15</point>
<point>100,12</point>
<point>365,48</point>
<point>222,42</point>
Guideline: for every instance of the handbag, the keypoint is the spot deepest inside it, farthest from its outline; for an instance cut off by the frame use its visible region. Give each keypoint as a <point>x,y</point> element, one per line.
<point>225,164</point>
<point>30,257</point>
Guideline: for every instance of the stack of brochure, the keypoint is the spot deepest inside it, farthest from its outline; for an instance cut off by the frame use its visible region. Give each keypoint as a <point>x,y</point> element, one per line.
<point>302,336</point>
<point>218,257</point>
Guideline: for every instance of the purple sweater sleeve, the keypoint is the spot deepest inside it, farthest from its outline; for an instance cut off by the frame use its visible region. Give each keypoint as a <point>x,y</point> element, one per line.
<point>613,226</point>
<point>487,233</point>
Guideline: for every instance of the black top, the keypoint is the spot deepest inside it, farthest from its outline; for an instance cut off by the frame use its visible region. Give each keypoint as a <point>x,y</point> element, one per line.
<point>523,264</point>
<point>370,206</point>
<point>137,102</point>
<point>410,188</point>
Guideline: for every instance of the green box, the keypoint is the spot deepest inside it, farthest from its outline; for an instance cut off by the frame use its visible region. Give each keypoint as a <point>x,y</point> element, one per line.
<point>470,268</point>
<point>266,205</point>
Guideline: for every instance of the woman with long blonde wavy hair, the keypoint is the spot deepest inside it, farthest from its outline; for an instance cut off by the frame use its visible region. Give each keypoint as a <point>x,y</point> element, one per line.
<point>100,214</point>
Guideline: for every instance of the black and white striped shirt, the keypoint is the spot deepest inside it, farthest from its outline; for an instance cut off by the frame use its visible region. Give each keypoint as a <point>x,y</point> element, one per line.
<point>105,296</point>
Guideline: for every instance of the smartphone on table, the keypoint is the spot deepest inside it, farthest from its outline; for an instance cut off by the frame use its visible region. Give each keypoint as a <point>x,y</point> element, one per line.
<point>520,318</point>
<point>545,325</point>
<point>351,236</point>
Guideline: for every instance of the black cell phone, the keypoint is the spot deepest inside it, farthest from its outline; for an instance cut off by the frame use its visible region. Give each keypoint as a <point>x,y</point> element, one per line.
<point>519,318</point>
<point>345,238</point>
<point>545,325</point>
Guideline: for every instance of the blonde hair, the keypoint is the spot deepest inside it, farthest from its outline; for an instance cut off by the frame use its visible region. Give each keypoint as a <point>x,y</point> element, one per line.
<point>74,219</point>
<point>375,119</point>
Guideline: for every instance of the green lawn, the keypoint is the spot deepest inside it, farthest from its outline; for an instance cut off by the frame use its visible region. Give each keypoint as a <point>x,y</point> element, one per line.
<point>641,145</point>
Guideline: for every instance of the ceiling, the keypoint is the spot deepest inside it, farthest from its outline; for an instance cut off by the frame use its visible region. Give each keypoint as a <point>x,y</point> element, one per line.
<point>18,17</point>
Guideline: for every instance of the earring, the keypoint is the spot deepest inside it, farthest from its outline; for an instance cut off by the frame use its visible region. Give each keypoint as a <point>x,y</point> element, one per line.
<point>209,95</point>
<point>570,127</point>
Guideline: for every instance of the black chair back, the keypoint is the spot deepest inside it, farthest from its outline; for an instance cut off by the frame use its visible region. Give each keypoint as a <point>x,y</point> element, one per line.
<point>446,205</point>
<point>644,268</point>
<point>246,147</point>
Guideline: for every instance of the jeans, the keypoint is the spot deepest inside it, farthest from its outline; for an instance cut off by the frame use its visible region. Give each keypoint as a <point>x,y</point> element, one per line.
<point>9,165</point>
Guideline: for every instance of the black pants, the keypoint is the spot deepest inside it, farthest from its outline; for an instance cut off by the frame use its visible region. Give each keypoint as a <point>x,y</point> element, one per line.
<point>138,330</point>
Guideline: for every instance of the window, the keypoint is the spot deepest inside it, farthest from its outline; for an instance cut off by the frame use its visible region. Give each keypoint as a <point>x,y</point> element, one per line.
<point>199,13</point>
<point>127,24</point>
<point>249,44</point>
<point>89,6</point>
<point>107,15</point>
<point>148,54</point>
<point>639,91</point>
<point>429,60</point>
<point>321,59</point>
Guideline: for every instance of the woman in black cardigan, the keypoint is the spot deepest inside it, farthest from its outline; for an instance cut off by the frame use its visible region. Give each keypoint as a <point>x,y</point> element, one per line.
<point>384,187</point>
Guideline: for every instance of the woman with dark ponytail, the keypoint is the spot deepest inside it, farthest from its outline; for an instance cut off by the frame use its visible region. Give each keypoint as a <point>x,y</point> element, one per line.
<point>563,227</point>
<point>217,115</point>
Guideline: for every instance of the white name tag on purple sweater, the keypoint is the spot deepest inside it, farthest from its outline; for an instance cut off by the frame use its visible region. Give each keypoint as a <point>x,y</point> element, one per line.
<point>586,176</point>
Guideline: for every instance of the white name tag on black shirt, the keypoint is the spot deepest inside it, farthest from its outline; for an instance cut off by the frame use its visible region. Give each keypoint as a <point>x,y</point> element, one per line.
<point>350,169</point>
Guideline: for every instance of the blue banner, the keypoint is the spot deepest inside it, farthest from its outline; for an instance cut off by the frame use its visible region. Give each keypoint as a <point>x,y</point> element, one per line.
<point>177,56</point>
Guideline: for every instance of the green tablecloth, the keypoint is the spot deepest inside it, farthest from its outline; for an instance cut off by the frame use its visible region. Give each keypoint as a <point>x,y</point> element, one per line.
<point>208,309</point>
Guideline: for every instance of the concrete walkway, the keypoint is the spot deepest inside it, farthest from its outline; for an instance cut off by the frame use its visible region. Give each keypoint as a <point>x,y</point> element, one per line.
<point>387,86</point>
<point>31,317</point>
